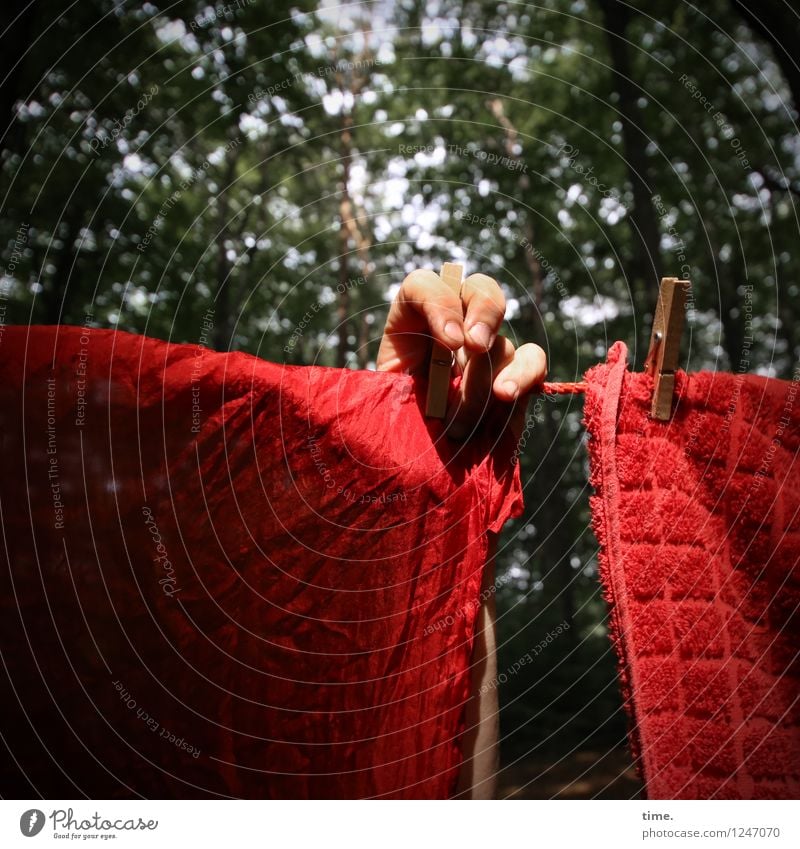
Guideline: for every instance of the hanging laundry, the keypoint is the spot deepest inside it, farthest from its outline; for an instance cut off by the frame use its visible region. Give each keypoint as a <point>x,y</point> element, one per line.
<point>226,577</point>
<point>699,523</point>
<point>234,578</point>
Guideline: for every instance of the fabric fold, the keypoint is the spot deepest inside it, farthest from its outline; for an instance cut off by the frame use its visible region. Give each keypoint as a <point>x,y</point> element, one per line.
<point>227,577</point>
<point>698,519</point>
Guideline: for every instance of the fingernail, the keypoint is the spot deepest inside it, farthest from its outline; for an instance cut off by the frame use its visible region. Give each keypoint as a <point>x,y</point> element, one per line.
<point>511,387</point>
<point>453,330</point>
<point>481,334</point>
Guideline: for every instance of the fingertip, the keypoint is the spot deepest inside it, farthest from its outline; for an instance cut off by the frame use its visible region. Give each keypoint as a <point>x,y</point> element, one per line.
<point>537,362</point>
<point>485,309</point>
<point>427,294</point>
<point>453,334</point>
<point>527,371</point>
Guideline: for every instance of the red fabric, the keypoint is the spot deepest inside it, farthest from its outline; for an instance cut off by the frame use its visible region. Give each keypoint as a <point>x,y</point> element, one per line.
<point>699,523</point>
<point>228,577</point>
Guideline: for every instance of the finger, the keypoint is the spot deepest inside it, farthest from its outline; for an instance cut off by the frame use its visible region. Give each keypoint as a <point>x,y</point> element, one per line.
<point>522,374</point>
<point>425,306</point>
<point>475,391</point>
<point>429,296</point>
<point>485,308</point>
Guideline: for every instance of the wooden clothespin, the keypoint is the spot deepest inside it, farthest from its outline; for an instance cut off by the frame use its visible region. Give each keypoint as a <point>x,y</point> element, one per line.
<point>665,343</point>
<point>441,357</point>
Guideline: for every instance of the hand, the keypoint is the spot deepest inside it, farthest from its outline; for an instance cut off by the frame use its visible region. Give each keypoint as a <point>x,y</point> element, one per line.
<point>494,372</point>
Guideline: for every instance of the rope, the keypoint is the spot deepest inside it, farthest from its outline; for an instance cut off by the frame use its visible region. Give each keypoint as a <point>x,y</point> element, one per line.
<point>565,388</point>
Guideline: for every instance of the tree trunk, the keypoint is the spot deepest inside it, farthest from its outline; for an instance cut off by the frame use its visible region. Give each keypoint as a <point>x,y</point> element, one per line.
<point>647,268</point>
<point>733,329</point>
<point>16,25</point>
<point>787,322</point>
<point>732,325</point>
<point>531,311</point>
<point>57,296</point>
<point>223,326</point>
<point>343,320</point>
<point>775,21</point>
<point>551,551</point>
<point>223,302</point>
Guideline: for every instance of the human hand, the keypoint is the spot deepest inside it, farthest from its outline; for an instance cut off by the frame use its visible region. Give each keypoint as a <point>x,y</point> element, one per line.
<point>494,371</point>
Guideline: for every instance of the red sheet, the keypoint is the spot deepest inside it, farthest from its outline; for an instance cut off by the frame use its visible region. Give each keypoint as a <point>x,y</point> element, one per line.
<point>227,577</point>
<point>699,521</point>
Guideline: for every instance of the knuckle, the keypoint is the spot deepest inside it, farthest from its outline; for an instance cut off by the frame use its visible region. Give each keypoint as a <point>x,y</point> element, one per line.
<point>503,354</point>
<point>486,288</point>
<point>503,347</point>
<point>418,281</point>
<point>493,310</point>
<point>534,355</point>
<point>538,353</point>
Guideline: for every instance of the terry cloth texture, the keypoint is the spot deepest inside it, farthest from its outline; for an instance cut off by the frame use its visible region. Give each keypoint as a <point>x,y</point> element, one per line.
<point>226,577</point>
<point>699,524</point>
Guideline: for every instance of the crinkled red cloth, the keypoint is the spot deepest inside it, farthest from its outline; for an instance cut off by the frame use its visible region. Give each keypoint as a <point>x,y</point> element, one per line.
<point>699,523</point>
<point>228,577</point>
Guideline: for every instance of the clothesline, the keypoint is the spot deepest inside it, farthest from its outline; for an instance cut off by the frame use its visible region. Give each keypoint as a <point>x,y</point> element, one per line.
<point>662,356</point>
<point>565,388</point>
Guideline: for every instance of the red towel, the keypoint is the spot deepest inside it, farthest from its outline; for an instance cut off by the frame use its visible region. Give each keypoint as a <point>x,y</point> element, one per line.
<point>699,524</point>
<point>227,577</point>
